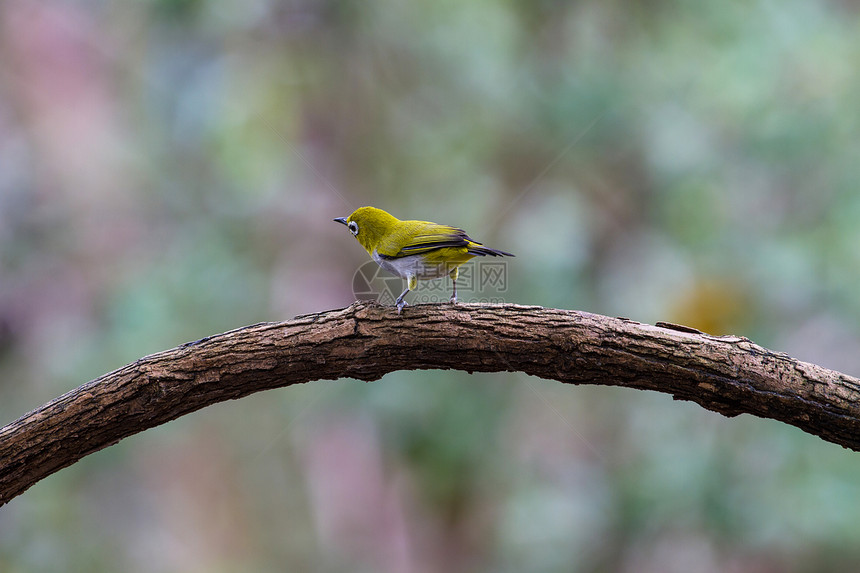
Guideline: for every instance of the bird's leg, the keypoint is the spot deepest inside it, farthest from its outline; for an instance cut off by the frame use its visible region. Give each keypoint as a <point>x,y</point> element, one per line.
<point>411,283</point>
<point>454,274</point>
<point>400,302</point>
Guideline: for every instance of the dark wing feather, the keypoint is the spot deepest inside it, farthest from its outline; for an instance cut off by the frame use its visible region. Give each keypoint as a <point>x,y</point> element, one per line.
<point>426,243</point>
<point>421,237</point>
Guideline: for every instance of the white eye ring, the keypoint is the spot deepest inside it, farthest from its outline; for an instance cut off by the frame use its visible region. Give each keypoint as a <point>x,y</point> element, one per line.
<point>353,227</point>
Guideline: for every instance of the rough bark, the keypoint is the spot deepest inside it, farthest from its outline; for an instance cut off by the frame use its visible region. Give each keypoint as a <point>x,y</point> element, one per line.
<point>728,374</point>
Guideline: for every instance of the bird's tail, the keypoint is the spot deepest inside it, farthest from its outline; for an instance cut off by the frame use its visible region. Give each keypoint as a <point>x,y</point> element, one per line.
<point>481,250</point>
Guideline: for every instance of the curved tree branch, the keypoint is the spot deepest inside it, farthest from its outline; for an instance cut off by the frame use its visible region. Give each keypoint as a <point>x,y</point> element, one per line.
<point>728,374</point>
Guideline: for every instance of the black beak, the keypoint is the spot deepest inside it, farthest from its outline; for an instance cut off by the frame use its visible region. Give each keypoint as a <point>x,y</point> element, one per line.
<point>341,220</point>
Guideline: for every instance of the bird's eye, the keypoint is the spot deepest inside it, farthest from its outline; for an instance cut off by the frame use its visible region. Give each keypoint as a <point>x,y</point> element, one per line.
<point>353,227</point>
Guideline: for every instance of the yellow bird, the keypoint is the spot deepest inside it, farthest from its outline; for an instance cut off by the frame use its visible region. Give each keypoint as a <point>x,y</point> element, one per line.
<point>414,250</point>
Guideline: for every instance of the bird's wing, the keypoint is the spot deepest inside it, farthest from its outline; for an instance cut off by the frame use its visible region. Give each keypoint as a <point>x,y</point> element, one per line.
<point>419,237</point>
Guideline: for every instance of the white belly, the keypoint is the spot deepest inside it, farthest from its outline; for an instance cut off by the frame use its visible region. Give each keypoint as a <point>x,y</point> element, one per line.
<point>412,265</point>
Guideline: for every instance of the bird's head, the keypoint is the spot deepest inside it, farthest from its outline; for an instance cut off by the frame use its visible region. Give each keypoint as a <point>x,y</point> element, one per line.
<point>369,225</point>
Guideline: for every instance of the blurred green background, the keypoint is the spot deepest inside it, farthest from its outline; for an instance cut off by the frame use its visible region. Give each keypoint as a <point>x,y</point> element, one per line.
<point>169,169</point>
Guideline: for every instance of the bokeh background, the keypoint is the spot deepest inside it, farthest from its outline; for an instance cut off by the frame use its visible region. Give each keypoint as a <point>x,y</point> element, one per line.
<point>169,169</point>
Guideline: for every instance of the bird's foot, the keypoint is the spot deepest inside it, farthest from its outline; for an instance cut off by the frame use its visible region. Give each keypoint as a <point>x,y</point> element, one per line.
<point>400,305</point>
